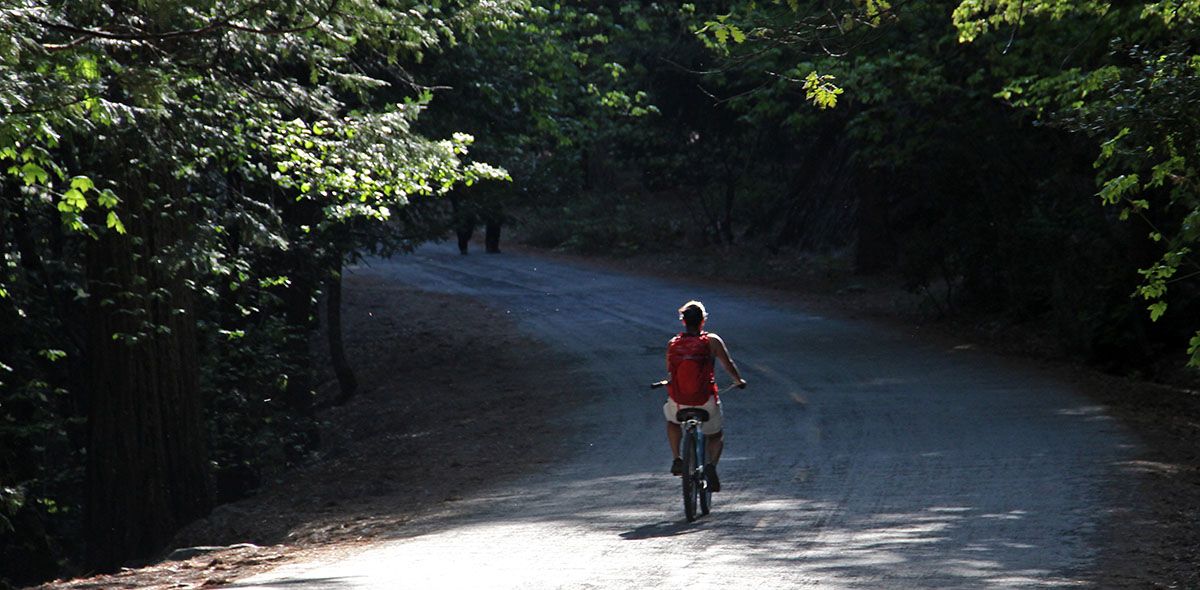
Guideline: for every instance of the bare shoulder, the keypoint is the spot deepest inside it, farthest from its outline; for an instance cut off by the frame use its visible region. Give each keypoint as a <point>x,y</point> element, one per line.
<point>715,340</point>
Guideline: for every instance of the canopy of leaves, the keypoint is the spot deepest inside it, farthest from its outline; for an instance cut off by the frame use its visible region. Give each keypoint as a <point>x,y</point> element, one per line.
<point>282,132</point>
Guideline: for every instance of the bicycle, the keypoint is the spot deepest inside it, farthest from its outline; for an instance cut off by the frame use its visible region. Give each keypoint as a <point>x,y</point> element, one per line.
<point>696,489</point>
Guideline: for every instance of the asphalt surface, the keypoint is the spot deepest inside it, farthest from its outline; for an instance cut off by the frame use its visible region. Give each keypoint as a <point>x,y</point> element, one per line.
<point>859,457</point>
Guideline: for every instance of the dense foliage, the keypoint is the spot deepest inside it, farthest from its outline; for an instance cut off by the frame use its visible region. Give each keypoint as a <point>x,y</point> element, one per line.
<point>181,181</point>
<point>967,146</point>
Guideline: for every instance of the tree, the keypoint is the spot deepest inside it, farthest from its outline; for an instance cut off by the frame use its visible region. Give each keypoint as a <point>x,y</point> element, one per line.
<point>1136,101</point>
<point>176,142</point>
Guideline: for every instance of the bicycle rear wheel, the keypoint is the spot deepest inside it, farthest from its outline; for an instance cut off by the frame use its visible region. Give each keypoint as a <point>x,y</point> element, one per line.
<point>703,488</point>
<point>690,487</point>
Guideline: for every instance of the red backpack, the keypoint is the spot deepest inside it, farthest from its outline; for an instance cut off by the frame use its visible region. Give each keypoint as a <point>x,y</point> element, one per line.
<point>690,364</point>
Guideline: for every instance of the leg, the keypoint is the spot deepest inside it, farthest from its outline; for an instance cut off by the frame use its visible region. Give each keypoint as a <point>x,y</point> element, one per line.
<point>713,447</point>
<point>464,237</point>
<point>674,434</point>
<point>491,237</point>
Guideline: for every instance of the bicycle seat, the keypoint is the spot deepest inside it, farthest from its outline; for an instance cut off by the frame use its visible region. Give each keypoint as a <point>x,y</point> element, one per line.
<point>698,414</point>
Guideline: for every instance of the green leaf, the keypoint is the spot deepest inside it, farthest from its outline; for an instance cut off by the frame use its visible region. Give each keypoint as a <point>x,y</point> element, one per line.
<point>75,200</point>
<point>107,199</point>
<point>82,183</point>
<point>1116,188</point>
<point>232,334</point>
<point>114,222</point>
<point>33,174</point>
<point>52,355</point>
<point>820,90</point>
<point>87,68</point>
<point>1157,310</point>
<point>1194,351</point>
<point>1107,148</point>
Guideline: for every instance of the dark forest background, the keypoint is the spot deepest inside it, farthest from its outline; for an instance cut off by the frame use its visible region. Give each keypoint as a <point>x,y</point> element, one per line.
<point>182,183</point>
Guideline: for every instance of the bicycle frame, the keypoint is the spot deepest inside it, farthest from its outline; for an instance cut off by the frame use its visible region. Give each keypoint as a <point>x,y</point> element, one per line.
<point>693,445</point>
<point>695,480</point>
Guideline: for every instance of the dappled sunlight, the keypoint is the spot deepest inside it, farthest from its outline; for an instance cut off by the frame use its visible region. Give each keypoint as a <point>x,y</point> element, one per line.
<point>1085,411</point>
<point>632,516</point>
<point>1150,467</point>
<point>857,460</point>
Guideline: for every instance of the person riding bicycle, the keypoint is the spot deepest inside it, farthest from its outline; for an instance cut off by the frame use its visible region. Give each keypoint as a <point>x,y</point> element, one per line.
<point>692,384</point>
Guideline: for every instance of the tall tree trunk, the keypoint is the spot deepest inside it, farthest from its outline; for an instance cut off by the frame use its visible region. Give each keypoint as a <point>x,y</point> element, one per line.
<point>333,328</point>
<point>146,460</point>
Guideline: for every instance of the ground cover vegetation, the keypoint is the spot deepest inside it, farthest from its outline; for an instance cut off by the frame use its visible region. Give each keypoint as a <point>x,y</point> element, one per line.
<point>182,183</point>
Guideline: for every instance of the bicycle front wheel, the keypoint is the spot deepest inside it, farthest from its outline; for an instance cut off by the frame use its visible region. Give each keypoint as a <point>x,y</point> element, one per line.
<point>691,490</point>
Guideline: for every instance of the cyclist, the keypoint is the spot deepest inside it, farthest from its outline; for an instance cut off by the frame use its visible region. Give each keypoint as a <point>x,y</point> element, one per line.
<point>692,384</point>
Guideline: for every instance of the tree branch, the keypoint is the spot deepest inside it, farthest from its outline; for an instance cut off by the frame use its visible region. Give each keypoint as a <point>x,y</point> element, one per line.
<point>84,34</point>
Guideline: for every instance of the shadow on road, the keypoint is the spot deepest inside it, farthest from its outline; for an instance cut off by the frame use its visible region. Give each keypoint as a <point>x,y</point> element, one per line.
<point>325,583</point>
<point>662,529</point>
<point>903,466</point>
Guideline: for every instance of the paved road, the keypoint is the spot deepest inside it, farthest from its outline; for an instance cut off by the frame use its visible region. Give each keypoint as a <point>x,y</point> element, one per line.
<point>861,457</point>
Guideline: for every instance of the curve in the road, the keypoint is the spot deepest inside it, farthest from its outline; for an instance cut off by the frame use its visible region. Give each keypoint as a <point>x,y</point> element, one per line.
<point>861,457</point>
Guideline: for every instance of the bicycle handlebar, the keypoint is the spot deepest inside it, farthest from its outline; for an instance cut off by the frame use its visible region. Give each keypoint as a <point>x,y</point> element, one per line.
<point>662,383</point>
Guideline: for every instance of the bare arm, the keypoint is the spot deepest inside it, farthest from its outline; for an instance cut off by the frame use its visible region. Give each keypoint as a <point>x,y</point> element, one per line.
<point>717,346</point>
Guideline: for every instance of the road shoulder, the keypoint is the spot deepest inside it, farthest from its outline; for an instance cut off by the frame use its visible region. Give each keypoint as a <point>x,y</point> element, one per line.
<point>445,382</point>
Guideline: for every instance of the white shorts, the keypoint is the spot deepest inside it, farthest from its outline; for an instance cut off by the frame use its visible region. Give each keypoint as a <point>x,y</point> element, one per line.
<point>713,406</point>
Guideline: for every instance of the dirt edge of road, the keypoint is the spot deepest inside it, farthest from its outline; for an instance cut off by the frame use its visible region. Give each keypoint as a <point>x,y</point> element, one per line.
<point>444,383</point>
<point>1153,536</point>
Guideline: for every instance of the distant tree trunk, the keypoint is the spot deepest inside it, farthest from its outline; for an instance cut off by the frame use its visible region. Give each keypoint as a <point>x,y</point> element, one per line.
<point>585,168</point>
<point>146,456</point>
<point>333,328</point>
<point>725,226</point>
<point>300,312</point>
<point>875,249</point>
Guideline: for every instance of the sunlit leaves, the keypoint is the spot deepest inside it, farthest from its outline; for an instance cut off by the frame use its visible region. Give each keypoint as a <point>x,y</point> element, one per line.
<point>720,32</point>
<point>1117,189</point>
<point>1156,279</point>
<point>113,222</point>
<point>1139,105</point>
<point>820,90</point>
<point>632,106</point>
<point>364,165</point>
<point>52,355</point>
<point>974,18</point>
<point>32,173</point>
<point>1173,13</point>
